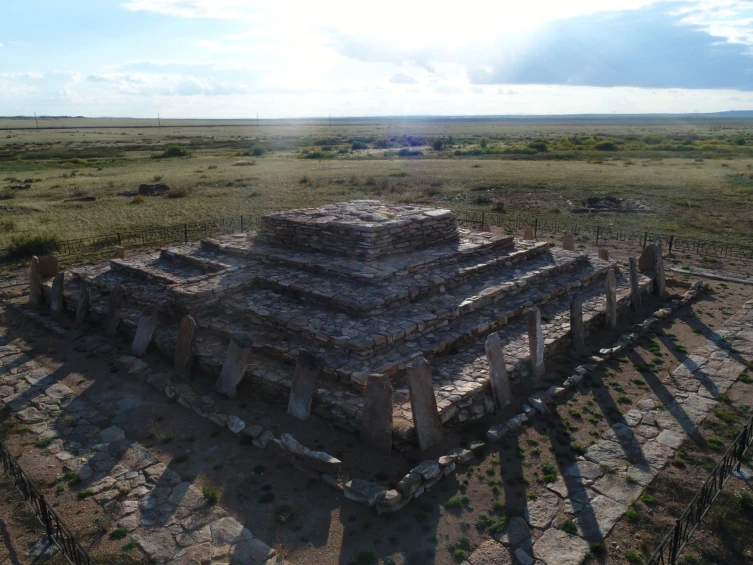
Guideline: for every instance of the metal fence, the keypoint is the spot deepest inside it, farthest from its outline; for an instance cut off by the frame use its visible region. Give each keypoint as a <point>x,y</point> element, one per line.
<point>145,237</point>
<point>601,233</point>
<point>156,235</point>
<point>53,525</point>
<point>670,547</point>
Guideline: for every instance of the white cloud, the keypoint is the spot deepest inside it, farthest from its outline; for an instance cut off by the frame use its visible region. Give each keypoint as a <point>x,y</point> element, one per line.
<point>401,78</point>
<point>1,45</point>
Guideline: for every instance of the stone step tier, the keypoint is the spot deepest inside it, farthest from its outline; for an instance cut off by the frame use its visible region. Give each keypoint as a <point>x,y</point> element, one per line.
<point>371,271</point>
<point>460,376</point>
<point>363,339</point>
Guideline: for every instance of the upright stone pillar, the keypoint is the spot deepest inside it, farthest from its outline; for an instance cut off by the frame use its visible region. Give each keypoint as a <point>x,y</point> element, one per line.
<point>84,302</point>
<point>144,332</point>
<point>603,254</point>
<point>647,259</point>
<point>119,252</point>
<point>498,377</point>
<point>56,293</point>
<point>576,323</point>
<point>307,371</point>
<point>376,417</point>
<point>49,266</point>
<point>234,368</point>
<point>568,242</point>
<point>35,283</point>
<point>536,342</point>
<point>610,285</point>
<point>423,404</point>
<point>528,234</point>
<point>635,292</point>
<point>112,318</point>
<point>185,345</point>
<point>661,283</point>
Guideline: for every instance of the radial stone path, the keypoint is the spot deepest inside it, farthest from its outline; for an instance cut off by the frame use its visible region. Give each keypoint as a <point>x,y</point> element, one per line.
<point>633,452</point>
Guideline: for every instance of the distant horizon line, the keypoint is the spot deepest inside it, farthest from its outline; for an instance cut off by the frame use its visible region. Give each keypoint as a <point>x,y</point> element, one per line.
<point>730,113</point>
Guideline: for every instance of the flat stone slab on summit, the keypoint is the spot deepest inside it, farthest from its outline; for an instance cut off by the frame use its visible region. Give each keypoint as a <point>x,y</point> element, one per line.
<point>361,228</point>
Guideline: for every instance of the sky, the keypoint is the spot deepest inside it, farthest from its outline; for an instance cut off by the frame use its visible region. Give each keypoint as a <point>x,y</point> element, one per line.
<point>294,58</point>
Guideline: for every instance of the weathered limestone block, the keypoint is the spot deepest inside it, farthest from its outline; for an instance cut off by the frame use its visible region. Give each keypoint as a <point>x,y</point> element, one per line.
<point>498,377</point>
<point>603,254</point>
<point>568,242</point>
<point>610,285</point>
<point>35,283</point>
<point>48,266</point>
<point>536,342</point>
<point>528,234</point>
<point>635,292</point>
<point>144,332</point>
<point>119,252</point>
<point>184,347</point>
<point>376,417</point>
<point>84,302</point>
<point>307,371</point>
<point>576,323</point>
<point>424,404</point>
<point>661,283</point>
<point>112,319</point>
<point>234,368</point>
<point>56,293</point>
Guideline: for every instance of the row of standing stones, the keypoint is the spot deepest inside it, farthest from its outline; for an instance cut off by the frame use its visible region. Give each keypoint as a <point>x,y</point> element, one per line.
<point>377,419</point>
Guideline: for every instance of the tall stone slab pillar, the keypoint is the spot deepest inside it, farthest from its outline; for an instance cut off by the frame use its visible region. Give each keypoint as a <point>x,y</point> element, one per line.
<point>185,345</point>
<point>84,303</point>
<point>35,283</point>
<point>577,338</point>
<point>568,242</point>
<point>424,404</point>
<point>376,417</point>
<point>498,377</point>
<point>234,368</point>
<point>661,283</point>
<point>528,234</point>
<point>56,293</point>
<point>635,292</point>
<point>112,318</point>
<point>603,254</point>
<point>307,371</point>
<point>610,285</point>
<point>119,252</point>
<point>536,342</point>
<point>144,332</point>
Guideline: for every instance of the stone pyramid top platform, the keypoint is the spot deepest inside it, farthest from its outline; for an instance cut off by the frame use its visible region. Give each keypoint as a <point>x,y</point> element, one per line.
<point>360,228</point>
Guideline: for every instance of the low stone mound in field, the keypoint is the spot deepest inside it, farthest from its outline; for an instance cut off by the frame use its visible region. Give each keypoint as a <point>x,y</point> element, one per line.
<point>608,204</point>
<point>152,189</point>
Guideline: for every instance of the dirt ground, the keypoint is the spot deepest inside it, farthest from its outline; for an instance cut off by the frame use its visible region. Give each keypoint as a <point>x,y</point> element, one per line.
<point>326,528</point>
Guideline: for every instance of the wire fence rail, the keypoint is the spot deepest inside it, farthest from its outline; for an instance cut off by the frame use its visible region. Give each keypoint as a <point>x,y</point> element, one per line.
<point>156,235</point>
<point>145,237</point>
<point>602,233</point>
<point>673,543</point>
<point>56,530</point>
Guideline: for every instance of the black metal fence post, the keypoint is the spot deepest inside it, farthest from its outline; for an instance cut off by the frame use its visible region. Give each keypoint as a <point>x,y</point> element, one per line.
<point>535,227</point>
<point>598,230</point>
<point>119,239</point>
<point>185,232</point>
<point>45,516</point>
<point>645,240</point>
<point>241,224</point>
<point>671,242</point>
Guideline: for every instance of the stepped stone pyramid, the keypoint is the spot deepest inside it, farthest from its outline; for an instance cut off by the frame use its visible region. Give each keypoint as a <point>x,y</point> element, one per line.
<point>367,287</point>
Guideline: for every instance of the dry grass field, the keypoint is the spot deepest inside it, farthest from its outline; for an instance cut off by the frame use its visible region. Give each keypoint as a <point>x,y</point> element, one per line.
<point>695,177</point>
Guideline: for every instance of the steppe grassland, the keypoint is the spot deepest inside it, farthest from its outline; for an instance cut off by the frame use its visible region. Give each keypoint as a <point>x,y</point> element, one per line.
<point>697,194</point>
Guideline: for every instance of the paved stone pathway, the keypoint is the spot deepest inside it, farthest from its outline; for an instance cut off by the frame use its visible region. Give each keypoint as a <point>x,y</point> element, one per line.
<point>170,519</point>
<point>598,488</point>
